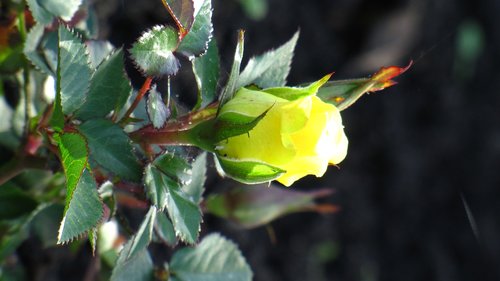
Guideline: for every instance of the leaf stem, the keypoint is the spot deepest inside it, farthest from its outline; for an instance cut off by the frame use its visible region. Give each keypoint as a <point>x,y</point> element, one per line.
<point>144,89</point>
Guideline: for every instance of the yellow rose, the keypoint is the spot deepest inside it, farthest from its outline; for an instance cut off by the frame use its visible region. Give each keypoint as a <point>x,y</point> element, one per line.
<point>299,135</point>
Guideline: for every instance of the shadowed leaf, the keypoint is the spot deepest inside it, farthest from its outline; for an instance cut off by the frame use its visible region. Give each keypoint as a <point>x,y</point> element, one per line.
<point>269,69</point>
<point>110,147</point>
<point>206,70</point>
<point>73,71</point>
<point>109,89</point>
<point>215,258</point>
<point>158,111</point>
<point>252,206</point>
<point>137,268</point>
<point>196,40</point>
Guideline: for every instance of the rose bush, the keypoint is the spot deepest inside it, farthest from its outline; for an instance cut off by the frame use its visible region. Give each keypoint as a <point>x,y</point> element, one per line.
<point>298,133</point>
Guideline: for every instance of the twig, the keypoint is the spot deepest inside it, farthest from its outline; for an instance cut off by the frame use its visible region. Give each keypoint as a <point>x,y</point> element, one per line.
<point>144,89</point>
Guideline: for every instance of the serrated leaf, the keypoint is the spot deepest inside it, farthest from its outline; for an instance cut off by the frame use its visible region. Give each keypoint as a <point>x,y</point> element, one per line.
<point>233,79</point>
<point>40,14</point>
<point>73,71</point>
<point>137,268</point>
<point>143,236</point>
<point>196,40</point>
<point>252,206</point>
<point>206,71</point>
<point>174,166</point>
<point>164,229</point>
<point>158,112</point>
<point>269,69</point>
<point>30,48</point>
<point>64,9</point>
<point>110,147</point>
<point>109,89</point>
<point>247,171</point>
<point>215,258</point>
<point>74,157</point>
<point>182,11</point>
<point>50,49</point>
<point>344,93</point>
<point>99,51</point>
<point>153,52</point>
<point>195,187</point>
<point>165,192</point>
<point>156,184</point>
<point>84,212</point>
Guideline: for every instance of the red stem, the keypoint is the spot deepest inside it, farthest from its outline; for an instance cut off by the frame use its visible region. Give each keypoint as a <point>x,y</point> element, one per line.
<point>144,89</point>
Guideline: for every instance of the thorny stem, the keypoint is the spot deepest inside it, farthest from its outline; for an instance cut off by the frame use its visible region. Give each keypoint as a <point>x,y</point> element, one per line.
<point>144,89</point>
<point>175,133</point>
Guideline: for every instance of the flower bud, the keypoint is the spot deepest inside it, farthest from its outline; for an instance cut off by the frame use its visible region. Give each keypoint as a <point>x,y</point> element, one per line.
<point>297,135</point>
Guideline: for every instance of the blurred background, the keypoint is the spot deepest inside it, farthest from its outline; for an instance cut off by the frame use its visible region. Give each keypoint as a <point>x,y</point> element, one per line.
<point>419,193</point>
<point>420,189</point>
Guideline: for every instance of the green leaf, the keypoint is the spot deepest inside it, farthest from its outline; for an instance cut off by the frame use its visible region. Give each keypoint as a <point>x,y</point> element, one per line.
<point>231,85</point>
<point>175,166</point>
<point>196,40</point>
<point>50,50</point>
<point>345,93</point>
<point>252,206</point>
<point>73,71</point>
<point>167,187</point>
<point>99,51</point>
<point>64,9</point>
<point>294,93</point>
<point>156,184</point>
<point>206,70</point>
<point>164,229</point>
<point>143,236</point>
<point>269,69</point>
<point>195,187</point>
<point>249,172</point>
<point>110,147</point>
<point>158,112</point>
<point>84,212</point>
<point>185,214</point>
<point>74,157</point>
<point>137,268</point>
<point>30,49</point>
<point>153,52</point>
<point>40,14</point>
<point>183,11</point>
<point>109,89</point>
<point>14,202</point>
<point>214,259</point>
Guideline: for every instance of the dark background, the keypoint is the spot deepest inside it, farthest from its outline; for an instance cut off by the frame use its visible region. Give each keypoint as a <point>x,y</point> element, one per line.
<point>419,153</point>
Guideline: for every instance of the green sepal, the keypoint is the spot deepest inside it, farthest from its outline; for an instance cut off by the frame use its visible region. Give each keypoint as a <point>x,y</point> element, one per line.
<point>207,134</point>
<point>248,171</point>
<point>295,93</point>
